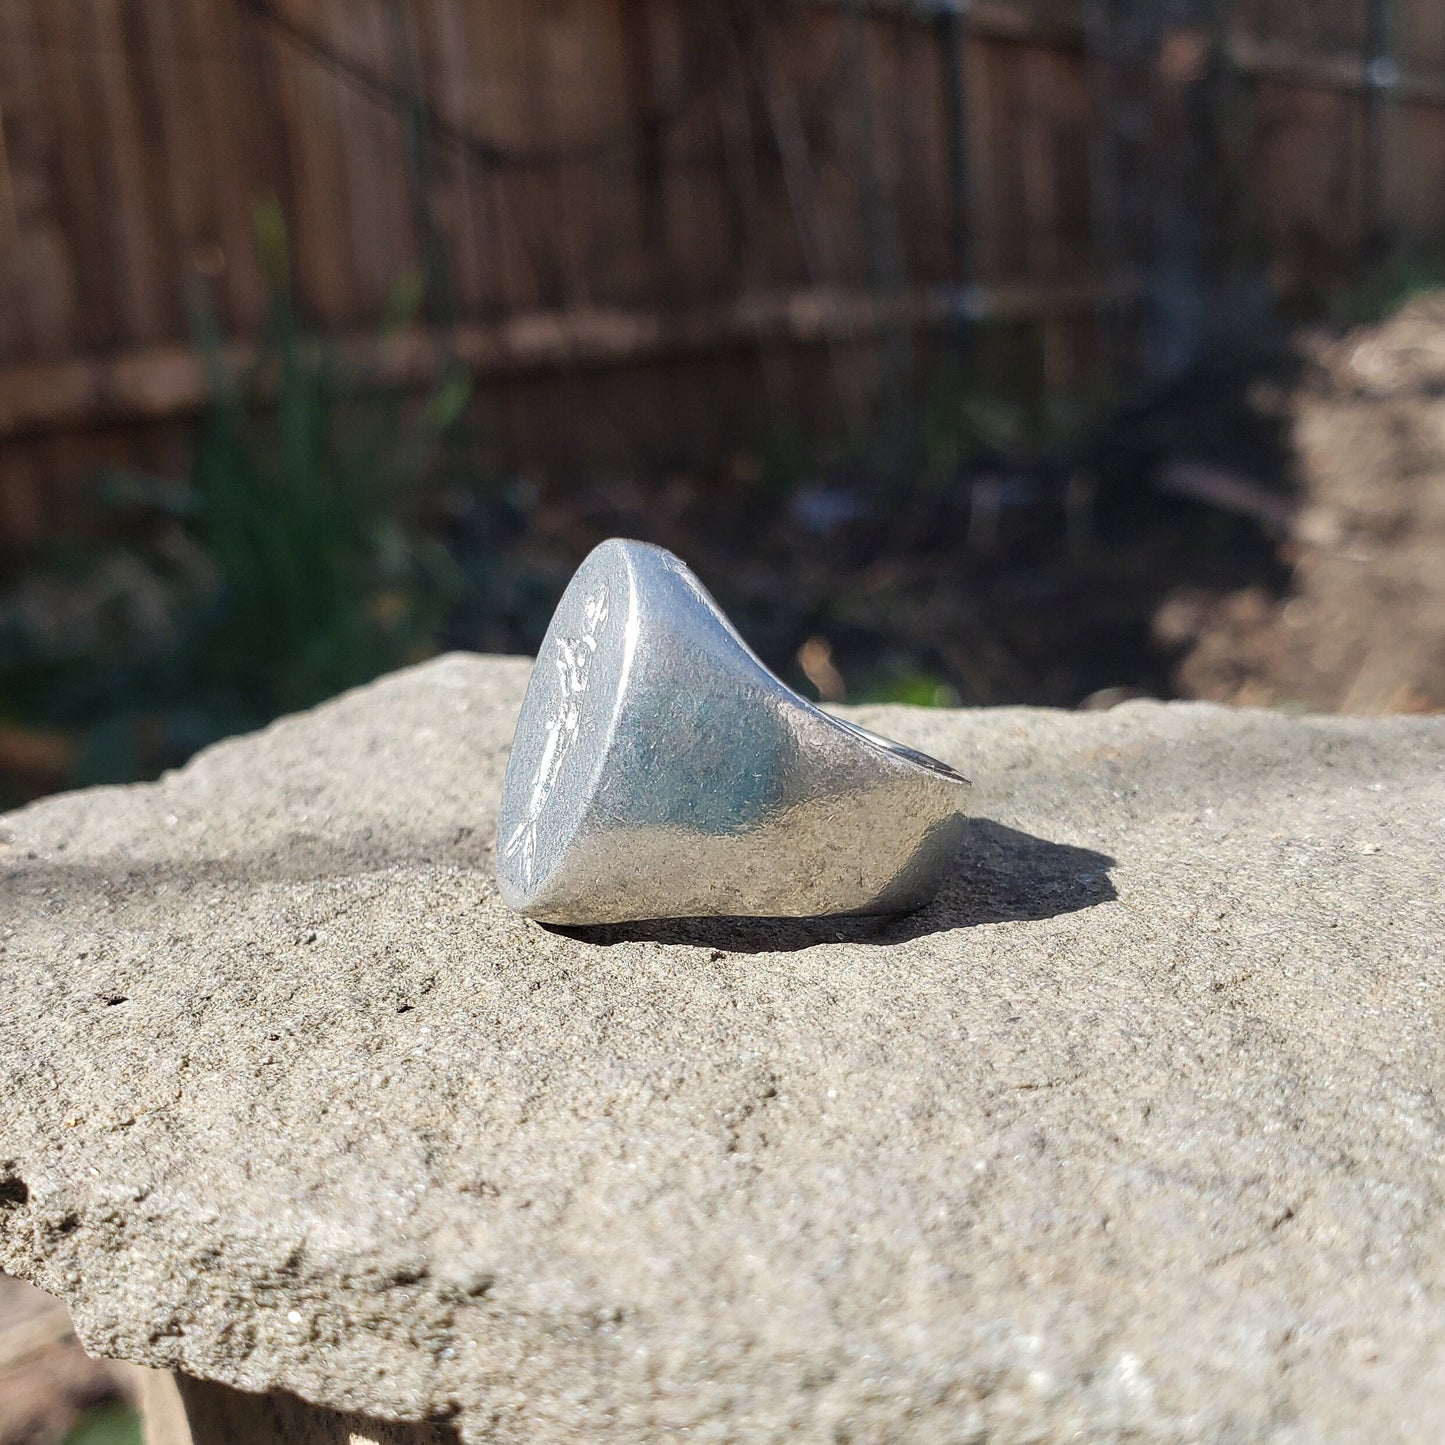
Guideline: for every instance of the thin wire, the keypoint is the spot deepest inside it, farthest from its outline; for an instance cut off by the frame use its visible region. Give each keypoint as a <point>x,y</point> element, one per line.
<point>487,152</point>
<point>306,41</point>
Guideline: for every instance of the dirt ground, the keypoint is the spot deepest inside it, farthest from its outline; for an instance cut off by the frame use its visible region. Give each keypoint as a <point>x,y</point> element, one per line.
<point>1360,626</point>
<point>1269,531</point>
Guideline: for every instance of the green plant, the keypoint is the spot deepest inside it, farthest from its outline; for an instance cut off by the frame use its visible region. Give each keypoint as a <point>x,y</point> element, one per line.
<point>113,1424</point>
<point>900,678</point>
<point>1401,276</point>
<point>284,573</point>
<point>296,504</point>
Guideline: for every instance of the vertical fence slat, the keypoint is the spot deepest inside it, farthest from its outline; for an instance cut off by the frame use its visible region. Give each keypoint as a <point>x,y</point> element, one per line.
<point>983,139</point>
<point>314,104</point>
<point>953,61</point>
<point>1421,26</point>
<point>1421,156</point>
<point>37,284</point>
<point>168,61</point>
<point>914,127</point>
<point>66,53</point>
<point>226,106</point>
<point>1380,76</point>
<point>131,183</point>
<point>376,191</point>
<point>488,54</point>
<point>463,201</point>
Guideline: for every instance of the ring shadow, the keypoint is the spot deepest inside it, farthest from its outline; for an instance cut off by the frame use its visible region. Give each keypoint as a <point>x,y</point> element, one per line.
<point>1001,875</point>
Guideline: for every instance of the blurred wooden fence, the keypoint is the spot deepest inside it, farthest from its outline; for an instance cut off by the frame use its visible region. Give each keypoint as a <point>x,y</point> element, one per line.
<point>606,196</point>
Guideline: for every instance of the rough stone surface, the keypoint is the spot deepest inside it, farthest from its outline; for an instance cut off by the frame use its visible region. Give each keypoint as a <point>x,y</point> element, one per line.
<point>1146,1148</point>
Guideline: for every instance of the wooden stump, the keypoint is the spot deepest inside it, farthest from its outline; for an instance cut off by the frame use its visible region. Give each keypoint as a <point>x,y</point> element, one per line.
<point>179,1410</point>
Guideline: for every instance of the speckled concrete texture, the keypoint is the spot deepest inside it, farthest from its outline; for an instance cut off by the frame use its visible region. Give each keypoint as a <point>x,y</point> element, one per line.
<point>1137,1131</point>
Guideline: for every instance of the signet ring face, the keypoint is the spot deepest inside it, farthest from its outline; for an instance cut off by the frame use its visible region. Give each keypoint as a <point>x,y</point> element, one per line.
<point>659,770</point>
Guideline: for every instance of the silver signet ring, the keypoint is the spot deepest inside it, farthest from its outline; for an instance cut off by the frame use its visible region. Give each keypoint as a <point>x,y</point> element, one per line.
<point>659,770</point>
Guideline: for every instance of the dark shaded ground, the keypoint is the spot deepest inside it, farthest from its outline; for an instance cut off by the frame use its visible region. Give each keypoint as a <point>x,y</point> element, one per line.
<point>1360,625</point>
<point>1027,576</point>
<point>999,875</point>
<point>1268,531</point>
